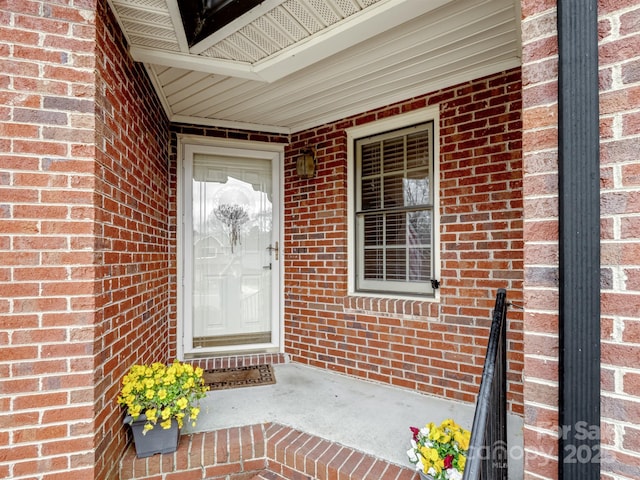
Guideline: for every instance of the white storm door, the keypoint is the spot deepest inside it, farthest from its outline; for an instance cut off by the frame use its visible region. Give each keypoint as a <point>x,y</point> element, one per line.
<point>230,250</point>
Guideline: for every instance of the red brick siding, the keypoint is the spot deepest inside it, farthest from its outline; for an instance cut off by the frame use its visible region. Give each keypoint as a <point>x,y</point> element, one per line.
<point>84,242</point>
<point>436,348</point>
<point>132,231</point>
<point>539,98</point>
<point>619,58</point>
<point>619,128</point>
<point>47,259</point>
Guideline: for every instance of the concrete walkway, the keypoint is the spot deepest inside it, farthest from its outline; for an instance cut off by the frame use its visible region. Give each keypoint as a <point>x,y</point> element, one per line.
<point>370,417</point>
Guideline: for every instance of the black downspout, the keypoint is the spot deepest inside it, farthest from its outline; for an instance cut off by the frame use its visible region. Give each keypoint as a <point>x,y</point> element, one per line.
<point>579,223</point>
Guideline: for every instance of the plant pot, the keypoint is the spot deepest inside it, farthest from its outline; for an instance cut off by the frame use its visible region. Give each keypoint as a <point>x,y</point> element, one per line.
<point>157,440</point>
<point>424,476</point>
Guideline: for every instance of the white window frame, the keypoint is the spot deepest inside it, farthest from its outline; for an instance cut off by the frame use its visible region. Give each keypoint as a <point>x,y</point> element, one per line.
<point>397,122</point>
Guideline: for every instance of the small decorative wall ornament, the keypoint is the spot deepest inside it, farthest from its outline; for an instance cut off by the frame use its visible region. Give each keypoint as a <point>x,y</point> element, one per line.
<point>233,216</point>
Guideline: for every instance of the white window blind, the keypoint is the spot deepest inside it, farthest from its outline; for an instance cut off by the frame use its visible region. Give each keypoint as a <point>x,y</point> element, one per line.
<point>394,211</point>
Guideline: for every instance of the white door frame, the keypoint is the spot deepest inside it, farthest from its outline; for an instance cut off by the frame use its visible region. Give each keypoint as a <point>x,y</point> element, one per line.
<point>187,145</point>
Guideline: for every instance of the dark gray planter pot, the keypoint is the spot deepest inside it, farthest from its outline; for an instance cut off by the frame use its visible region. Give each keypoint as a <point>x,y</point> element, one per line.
<point>154,441</point>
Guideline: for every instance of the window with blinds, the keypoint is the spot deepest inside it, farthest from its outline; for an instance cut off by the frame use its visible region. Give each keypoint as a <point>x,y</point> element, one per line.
<point>394,211</point>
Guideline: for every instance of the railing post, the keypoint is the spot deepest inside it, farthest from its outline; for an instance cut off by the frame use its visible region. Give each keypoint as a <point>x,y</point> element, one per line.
<point>488,450</point>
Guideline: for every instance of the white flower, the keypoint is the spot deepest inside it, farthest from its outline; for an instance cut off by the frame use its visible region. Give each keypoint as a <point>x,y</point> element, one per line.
<point>453,474</point>
<point>413,458</point>
<point>432,472</point>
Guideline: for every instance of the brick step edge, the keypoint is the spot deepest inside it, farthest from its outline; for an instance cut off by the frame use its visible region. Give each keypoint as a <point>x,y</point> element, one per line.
<point>245,453</point>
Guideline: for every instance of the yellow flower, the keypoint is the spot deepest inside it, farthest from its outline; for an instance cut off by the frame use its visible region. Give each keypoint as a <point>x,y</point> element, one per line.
<point>147,427</point>
<point>162,394</point>
<point>436,446</point>
<point>151,414</point>
<point>162,391</point>
<point>127,388</point>
<point>135,411</point>
<point>166,424</point>
<point>180,419</point>
<point>189,383</point>
<point>462,439</point>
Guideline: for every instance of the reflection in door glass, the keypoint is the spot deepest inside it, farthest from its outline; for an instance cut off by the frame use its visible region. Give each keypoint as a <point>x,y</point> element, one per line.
<point>232,224</point>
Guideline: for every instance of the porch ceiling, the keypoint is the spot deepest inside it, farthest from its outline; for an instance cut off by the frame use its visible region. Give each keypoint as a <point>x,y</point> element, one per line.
<point>288,65</point>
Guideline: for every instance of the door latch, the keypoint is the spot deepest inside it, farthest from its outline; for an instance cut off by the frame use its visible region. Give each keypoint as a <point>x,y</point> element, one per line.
<point>273,249</point>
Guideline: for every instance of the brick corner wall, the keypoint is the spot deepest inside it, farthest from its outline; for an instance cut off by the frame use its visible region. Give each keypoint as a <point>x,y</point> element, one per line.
<point>619,73</point>
<point>132,232</point>
<point>83,243</point>
<point>47,258</point>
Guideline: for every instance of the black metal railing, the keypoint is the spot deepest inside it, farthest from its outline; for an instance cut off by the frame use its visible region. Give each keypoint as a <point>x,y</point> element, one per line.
<point>488,451</point>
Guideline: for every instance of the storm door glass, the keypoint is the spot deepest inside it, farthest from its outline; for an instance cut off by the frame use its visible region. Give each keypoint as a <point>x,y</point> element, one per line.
<point>232,252</point>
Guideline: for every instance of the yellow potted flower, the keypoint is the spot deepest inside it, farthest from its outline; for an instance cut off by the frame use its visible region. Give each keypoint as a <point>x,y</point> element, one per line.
<point>159,398</point>
<point>440,451</point>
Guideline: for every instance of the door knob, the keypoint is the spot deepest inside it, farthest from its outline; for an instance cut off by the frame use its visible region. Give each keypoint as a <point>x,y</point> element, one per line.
<point>273,249</point>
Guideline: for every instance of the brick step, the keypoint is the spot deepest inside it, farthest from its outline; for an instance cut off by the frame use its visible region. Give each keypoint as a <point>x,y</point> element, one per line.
<point>268,475</point>
<point>260,452</point>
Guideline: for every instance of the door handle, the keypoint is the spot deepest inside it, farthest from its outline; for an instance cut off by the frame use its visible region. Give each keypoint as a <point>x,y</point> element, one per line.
<point>274,249</point>
<point>267,267</point>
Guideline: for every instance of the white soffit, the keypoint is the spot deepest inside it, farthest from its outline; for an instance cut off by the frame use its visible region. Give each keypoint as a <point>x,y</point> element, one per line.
<point>287,65</point>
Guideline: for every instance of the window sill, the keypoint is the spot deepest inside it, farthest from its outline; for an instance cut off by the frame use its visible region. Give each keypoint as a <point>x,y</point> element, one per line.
<point>423,307</point>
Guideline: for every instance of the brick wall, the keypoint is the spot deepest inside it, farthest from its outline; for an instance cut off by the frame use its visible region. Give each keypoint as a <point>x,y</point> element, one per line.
<point>539,99</point>
<point>83,242</point>
<point>47,261</point>
<point>620,187</point>
<point>132,232</point>
<point>620,191</point>
<point>433,347</point>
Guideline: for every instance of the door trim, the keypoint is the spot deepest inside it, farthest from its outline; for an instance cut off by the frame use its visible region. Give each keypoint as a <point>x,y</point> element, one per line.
<point>188,144</point>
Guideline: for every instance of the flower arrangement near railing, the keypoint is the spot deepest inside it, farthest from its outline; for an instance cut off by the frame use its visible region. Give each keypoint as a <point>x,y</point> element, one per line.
<point>440,452</point>
<point>163,392</point>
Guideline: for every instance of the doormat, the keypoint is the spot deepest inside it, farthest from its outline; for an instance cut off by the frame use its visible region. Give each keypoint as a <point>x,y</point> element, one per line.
<point>251,376</point>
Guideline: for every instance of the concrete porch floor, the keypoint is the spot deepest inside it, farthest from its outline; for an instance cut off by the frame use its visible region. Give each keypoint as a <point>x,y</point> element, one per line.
<point>366,416</point>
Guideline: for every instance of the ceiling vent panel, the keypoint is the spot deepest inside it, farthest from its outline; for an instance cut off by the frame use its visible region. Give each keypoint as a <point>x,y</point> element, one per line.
<point>215,52</point>
<point>291,27</point>
<point>145,4</point>
<point>234,52</point>
<point>260,39</point>
<point>347,7</point>
<point>275,34</point>
<point>151,30</point>
<point>249,48</point>
<point>154,43</point>
<point>144,16</point>
<point>304,16</point>
<point>324,10</point>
